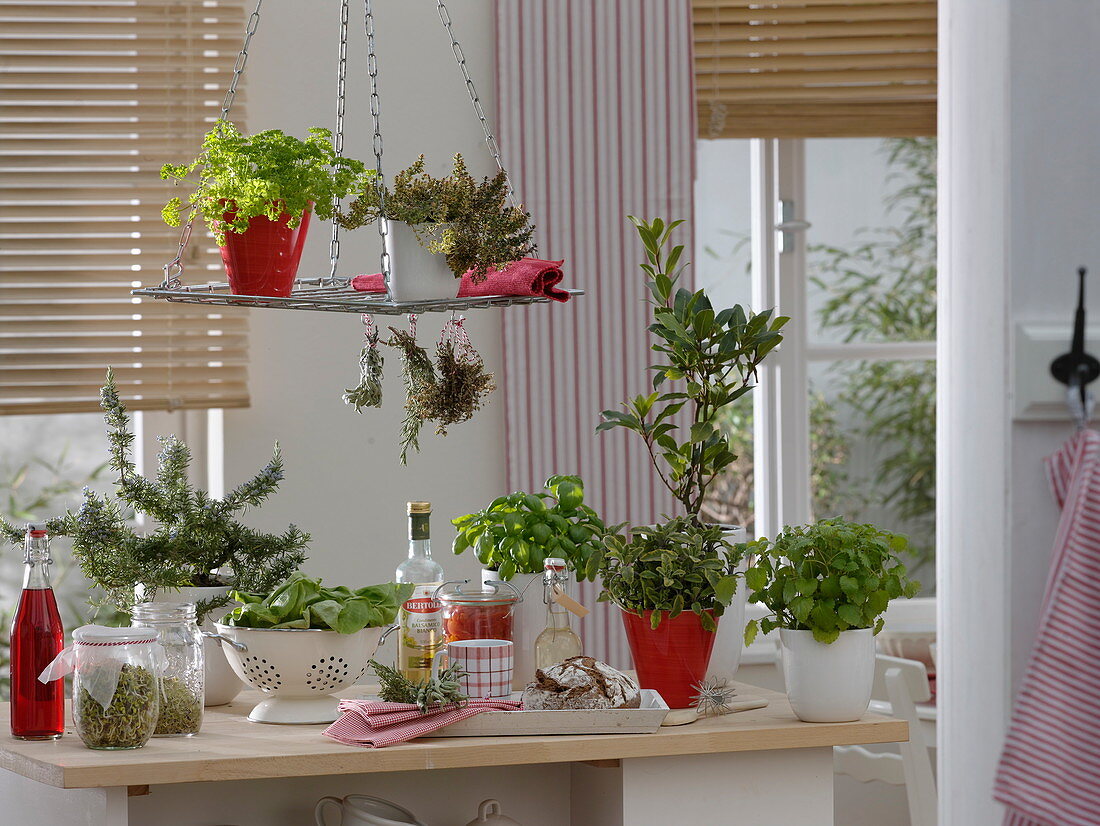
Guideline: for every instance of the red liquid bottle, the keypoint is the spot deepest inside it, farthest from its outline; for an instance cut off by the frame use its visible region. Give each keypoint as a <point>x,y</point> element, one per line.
<point>37,709</point>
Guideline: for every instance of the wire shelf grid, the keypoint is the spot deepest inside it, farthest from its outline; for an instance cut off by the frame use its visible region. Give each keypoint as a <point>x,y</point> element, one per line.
<point>334,295</point>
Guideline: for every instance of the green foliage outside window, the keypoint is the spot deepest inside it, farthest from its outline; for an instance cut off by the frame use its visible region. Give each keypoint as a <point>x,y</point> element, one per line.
<point>882,290</point>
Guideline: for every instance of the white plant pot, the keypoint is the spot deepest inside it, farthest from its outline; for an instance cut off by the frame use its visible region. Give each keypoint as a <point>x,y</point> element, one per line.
<point>528,620</point>
<point>298,670</point>
<point>221,685</point>
<point>415,273</point>
<point>730,640</point>
<point>828,683</point>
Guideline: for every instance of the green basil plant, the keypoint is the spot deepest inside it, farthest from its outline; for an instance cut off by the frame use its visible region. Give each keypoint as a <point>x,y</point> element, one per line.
<point>302,602</point>
<point>676,566</point>
<point>827,577</point>
<point>515,534</point>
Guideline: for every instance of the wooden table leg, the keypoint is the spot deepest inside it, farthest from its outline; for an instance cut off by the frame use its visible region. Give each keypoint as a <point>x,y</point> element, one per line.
<point>28,801</point>
<point>764,788</point>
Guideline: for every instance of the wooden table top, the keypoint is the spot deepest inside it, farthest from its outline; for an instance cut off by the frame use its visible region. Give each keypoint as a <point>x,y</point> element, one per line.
<point>229,747</point>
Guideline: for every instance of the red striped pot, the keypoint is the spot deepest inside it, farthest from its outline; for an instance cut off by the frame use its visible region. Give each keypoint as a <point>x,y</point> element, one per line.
<point>672,657</point>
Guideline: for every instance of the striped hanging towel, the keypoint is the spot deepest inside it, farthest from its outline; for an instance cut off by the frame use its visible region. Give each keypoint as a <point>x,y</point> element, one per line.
<point>1050,769</point>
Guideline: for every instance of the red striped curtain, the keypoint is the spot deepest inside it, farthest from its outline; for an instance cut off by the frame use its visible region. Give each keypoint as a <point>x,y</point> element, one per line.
<point>596,121</point>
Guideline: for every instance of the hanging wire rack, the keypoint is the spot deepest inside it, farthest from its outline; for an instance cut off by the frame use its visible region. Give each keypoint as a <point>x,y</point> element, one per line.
<point>333,293</point>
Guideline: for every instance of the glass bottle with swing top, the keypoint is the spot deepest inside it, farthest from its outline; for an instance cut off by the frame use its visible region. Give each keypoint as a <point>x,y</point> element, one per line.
<point>558,641</point>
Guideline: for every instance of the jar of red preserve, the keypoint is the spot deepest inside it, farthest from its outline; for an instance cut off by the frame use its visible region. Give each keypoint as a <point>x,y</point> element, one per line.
<point>479,612</point>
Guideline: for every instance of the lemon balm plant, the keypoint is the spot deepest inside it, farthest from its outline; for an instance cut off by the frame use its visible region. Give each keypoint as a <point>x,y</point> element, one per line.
<point>827,586</point>
<point>264,186</point>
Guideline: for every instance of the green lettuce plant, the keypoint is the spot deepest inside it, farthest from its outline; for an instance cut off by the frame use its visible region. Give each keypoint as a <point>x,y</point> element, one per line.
<point>708,359</point>
<point>191,539</point>
<point>468,221</point>
<point>676,566</point>
<point>515,534</point>
<point>828,577</point>
<point>302,602</point>
<point>266,174</point>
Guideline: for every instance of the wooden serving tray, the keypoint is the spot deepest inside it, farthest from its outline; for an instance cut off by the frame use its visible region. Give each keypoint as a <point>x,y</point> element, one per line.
<point>644,720</point>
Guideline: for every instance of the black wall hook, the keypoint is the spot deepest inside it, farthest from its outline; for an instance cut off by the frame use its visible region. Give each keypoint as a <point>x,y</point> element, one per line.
<point>1077,368</point>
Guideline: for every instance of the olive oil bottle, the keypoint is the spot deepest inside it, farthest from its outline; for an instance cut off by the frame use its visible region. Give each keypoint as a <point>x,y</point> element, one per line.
<point>421,620</point>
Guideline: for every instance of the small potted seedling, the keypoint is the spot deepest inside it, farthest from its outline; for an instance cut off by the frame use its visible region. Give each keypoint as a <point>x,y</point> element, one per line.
<point>827,586</point>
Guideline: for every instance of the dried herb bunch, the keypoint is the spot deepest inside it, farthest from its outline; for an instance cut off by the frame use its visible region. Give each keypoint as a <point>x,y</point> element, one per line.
<point>180,709</point>
<point>443,689</point>
<point>447,392</point>
<point>469,222</point>
<point>190,537</point>
<point>368,392</point>
<point>419,377</point>
<point>129,719</point>
<point>462,385</point>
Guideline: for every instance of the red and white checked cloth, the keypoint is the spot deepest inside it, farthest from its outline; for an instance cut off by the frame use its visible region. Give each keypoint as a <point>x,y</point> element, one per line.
<point>377,724</point>
<point>1050,768</point>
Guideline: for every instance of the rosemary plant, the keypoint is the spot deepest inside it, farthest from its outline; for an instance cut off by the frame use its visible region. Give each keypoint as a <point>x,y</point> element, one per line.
<point>192,538</point>
<point>395,687</point>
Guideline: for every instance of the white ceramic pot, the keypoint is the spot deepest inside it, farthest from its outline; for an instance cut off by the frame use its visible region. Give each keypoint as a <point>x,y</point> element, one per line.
<point>363,810</point>
<point>828,683</point>
<point>415,273</point>
<point>528,620</point>
<point>730,640</point>
<point>298,669</point>
<point>222,685</point>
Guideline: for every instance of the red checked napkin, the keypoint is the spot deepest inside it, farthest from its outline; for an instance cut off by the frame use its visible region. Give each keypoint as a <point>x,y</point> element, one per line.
<point>528,276</point>
<point>377,724</point>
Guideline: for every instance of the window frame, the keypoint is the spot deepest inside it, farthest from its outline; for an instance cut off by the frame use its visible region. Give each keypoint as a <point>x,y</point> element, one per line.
<point>782,461</point>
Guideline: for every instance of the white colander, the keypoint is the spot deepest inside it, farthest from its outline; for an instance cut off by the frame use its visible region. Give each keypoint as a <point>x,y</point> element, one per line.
<point>298,669</point>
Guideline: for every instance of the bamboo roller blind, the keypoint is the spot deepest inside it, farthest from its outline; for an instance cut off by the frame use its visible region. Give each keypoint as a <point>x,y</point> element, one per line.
<point>94,96</point>
<point>815,68</point>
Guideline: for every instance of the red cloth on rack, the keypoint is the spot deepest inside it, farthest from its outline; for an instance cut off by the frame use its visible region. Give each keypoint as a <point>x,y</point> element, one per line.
<point>377,725</point>
<point>528,276</point>
<point>1050,767</point>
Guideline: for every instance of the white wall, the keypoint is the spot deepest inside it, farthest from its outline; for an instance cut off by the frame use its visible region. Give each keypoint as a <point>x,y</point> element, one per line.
<point>1019,200</point>
<point>344,482</point>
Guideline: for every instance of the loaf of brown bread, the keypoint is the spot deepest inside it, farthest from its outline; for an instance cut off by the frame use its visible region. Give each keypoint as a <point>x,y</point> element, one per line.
<point>580,683</point>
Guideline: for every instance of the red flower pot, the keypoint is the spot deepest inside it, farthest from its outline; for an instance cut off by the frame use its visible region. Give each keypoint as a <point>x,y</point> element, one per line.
<point>263,259</point>
<point>672,657</point>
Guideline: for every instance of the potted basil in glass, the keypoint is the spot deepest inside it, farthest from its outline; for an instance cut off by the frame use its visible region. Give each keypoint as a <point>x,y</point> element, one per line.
<point>512,538</point>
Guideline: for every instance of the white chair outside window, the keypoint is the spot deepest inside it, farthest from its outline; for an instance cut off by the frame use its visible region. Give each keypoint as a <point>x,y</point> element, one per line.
<point>904,683</point>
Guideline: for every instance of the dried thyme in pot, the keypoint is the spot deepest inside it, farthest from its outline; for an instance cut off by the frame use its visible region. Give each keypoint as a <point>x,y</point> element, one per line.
<point>180,709</point>
<point>129,720</point>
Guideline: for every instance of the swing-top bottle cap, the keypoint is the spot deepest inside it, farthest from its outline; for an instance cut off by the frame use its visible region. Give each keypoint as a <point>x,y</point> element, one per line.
<point>36,531</point>
<point>420,507</point>
<point>554,563</point>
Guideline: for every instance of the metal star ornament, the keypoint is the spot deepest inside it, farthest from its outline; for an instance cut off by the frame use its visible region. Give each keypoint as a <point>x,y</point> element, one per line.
<point>713,696</point>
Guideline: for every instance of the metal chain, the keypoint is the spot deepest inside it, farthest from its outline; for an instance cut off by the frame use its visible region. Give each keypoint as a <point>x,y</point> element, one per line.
<point>479,110</point>
<point>173,270</point>
<point>372,70</point>
<point>338,138</point>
